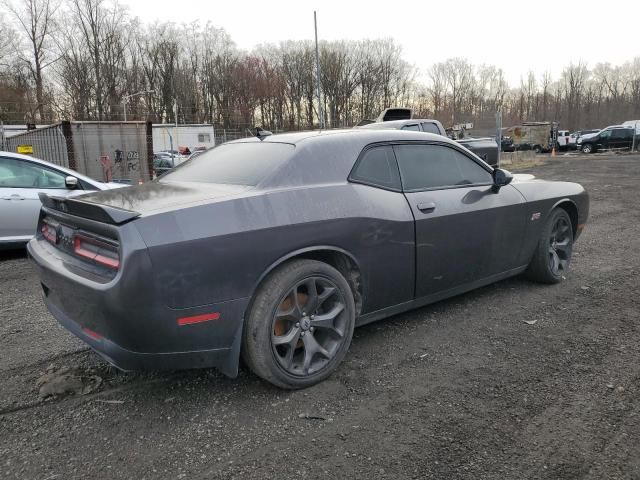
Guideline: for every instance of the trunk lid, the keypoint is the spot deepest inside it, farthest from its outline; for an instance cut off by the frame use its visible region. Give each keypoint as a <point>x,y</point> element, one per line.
<point>154,197</point>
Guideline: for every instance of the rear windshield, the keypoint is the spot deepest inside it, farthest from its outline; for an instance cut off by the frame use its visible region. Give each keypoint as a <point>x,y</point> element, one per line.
<point>233,164</point>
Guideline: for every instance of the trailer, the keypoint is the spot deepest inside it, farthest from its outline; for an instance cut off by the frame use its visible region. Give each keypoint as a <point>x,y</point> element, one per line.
<point>192,136</point>
<point>104,151</point>
<point>538,136</point>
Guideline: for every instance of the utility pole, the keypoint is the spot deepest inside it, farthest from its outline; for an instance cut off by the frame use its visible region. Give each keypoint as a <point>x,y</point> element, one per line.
<point>320,108</point>
<point>499,134</point>
<point>175,116</point>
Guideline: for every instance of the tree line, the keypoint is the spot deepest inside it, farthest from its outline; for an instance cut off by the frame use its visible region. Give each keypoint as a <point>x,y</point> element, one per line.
<point>83,59</point>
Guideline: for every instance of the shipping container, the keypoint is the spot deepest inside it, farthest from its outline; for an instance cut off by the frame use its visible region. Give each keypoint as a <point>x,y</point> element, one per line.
<point>192,136</point>
<point>104,151</point>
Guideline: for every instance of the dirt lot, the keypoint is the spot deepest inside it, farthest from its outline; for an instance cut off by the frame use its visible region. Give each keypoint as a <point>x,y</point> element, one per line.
<point>461,389</point>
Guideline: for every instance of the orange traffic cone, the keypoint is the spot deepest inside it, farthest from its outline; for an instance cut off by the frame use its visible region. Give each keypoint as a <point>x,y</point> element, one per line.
<point>553,152</point>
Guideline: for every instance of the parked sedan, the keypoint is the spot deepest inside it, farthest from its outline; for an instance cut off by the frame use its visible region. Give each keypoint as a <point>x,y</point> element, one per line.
<point>277,247</point>
<point>163,162</point>
<point>22,178</point>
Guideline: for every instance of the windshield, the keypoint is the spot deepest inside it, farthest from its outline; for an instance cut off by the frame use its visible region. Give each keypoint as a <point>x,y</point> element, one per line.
<point>233,164</point>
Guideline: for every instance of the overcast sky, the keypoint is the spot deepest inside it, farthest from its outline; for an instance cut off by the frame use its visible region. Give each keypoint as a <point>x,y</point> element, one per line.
<point>514,35</point>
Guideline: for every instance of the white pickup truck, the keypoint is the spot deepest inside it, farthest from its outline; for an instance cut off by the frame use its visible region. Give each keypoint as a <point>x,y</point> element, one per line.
<point>563,139</point>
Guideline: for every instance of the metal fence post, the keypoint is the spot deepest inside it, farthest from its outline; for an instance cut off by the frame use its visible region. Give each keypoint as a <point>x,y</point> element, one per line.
<point>68,136</point>
<point>149,134</point>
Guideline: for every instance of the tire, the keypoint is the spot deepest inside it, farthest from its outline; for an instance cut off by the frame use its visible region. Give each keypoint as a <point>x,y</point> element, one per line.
<point>537,149</point>
<point>287,345</point>
<point>552,256</point>
<point>587,148</point>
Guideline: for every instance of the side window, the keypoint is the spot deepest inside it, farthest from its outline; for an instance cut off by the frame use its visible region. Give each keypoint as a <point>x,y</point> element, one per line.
<point>622,133</point>
<point>413,127</point>
<point>605,134</point>
<point>377,167</point>
<point>204,138</point>
<point>435,166</point>
<point>430,128</point>
<point>23,174</point>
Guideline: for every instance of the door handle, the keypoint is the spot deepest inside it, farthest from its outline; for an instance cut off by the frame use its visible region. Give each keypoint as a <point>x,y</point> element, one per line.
<point>426,207</point>
<point>13,197</point>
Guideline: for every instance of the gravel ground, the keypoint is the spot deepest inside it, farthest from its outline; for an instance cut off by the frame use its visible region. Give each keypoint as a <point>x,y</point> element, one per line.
<point>464,388</point>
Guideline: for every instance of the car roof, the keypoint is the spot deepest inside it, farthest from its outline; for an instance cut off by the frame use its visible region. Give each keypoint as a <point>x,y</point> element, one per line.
<point>327,156</point>
<point>53,166</point>
<point>357,135</point>
<point>396,123</point>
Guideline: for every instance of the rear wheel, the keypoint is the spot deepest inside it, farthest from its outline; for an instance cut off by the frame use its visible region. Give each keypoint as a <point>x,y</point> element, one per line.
<point>300,325</point>
<point>552,257</point>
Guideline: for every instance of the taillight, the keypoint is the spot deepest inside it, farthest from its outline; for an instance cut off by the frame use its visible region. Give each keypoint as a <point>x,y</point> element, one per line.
<point>99,251</point>
<point>50,231</point>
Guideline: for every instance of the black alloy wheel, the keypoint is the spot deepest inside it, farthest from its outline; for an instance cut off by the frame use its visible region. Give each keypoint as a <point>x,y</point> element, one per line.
<point>560,246</point>
<point>308,327</point>
<point>299,325</point>
<point>552,257</point>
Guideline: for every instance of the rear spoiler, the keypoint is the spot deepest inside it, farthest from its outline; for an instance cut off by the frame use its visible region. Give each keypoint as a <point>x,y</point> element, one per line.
<point>92,211</point>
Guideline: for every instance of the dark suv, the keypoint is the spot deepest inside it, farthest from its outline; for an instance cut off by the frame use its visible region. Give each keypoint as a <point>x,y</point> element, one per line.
<point>607,139</point>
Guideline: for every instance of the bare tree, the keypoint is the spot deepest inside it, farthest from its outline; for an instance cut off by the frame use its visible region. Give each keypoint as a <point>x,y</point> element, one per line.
<point>459,75</point>
<point>36,21</point>
<point>574,77</point>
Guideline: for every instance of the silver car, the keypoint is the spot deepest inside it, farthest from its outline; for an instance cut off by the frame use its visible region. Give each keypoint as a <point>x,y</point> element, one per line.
<point>21,179</point>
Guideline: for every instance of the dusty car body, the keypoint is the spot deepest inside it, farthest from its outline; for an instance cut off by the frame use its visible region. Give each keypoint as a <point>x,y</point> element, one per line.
<point>180,272</point>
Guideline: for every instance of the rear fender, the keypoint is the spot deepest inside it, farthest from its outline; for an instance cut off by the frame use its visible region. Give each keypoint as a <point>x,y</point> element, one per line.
<point>298,253</point>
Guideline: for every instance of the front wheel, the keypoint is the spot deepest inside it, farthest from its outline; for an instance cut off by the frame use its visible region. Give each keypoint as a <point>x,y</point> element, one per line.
<point>587,148</point>
<point>552,257</point>
<point>300,325</point>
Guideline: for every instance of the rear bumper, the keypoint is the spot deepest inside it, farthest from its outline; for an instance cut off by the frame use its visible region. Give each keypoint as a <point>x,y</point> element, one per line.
<point>129,324</point>
<point>127,360</point>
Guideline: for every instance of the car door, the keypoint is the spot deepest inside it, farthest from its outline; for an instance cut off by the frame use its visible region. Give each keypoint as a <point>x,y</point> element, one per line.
<point>603,140</point>
<point>387,236</point>
<point>621,138</point>
<point>20,183</point>
<point>465,230</point>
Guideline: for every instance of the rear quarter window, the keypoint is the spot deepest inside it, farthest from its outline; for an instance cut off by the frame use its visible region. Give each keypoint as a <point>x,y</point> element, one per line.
<point>377,167</point>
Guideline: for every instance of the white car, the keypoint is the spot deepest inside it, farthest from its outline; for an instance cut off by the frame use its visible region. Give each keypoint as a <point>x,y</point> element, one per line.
<point>21,179</point>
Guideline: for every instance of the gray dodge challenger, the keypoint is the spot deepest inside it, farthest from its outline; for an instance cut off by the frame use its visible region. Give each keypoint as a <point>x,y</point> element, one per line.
<point>274,248</point>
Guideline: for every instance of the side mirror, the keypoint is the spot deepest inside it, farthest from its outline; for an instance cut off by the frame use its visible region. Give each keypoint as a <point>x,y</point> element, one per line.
<point>501,178</point>
<point>71,182</point>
